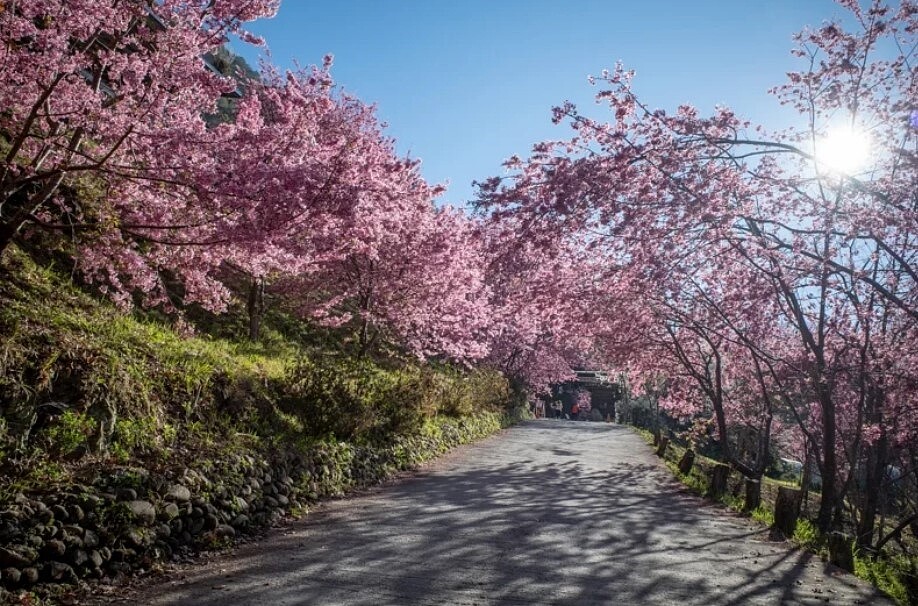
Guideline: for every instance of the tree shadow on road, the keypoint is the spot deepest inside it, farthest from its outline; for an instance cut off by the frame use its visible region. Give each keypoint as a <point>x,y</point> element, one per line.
<point>553,512</point>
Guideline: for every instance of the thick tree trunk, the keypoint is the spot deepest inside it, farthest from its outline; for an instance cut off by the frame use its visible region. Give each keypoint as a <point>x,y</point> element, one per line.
<point>873,487</point>
<point>830,497</point>
<point>661,449</point>
<point>256,307</point>
<point>8,231</point>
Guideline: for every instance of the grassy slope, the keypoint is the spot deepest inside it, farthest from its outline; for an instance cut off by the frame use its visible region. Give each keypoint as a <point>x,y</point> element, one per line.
<point>137,393</point>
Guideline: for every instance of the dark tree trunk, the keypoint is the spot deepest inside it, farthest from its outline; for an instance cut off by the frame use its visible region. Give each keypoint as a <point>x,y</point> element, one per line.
<point>7,233</point>
<point>829,470</point>
<point>256,307</point>
<point>661,449</point>
<point>873,488</point>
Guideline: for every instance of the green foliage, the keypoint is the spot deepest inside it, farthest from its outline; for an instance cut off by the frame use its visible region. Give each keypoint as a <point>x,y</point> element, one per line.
<point>896,575</point>
<point>71,433</point>
<point>808,536</point>
<point>764,515</point>
<point>360,400</point>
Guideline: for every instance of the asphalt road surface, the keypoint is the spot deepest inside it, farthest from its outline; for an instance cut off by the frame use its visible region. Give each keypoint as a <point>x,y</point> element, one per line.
<point>548,512</point>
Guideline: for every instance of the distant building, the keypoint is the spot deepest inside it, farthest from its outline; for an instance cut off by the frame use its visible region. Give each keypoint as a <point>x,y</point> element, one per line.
<point>604,393</point>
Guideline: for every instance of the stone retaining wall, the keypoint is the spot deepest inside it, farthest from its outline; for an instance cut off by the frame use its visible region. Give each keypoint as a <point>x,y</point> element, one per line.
<point>130,518</point>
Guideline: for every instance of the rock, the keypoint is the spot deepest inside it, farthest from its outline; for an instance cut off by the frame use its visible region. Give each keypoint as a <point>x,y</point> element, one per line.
<point>29,576</point>
<point>90,539</point>
<point>197,512</point>
<point>119,567</point>
<point>225,531</point>
<point>106,553</point>
<point>60,513</point>
<point>54,549</point>
<point>96,559</point>
<point>126,494</point>
<point>240,504</point>
<point>34,541</point>
<point>79,557</point>
<point>123,554</point>
<point>73,537</point>
<point>137,537</point>
<point>11,576</point>
<point>169,511</point>
<point>176,525</point>
<point>9,531</point>
<point>45,516</point>
<point>177,492</point>
<point>76,513</point>
<point>17,557</point>
<point>197,525</point>
<point>272,502</point>
<point>162,550</point>
<point>58,571</point>
<point>144,511</point>
<point>163,531</point>
<point>91,501</point>
<point>282,500</point>
<point>210,521</point>
<point>240,521</point>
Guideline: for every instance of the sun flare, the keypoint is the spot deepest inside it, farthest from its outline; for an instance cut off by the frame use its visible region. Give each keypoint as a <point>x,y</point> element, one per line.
<point>844,150</point>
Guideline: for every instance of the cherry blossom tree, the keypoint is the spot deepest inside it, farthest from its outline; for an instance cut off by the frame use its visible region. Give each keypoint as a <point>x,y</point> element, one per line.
<point>102,133</point>
<point>826,254</point>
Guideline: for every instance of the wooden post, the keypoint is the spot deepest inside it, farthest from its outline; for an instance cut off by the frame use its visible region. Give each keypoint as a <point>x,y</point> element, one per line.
<point>661,449</point>
<point>686,462</point>
<point>840,552</point>
<point>719,474</point>
<point>753,494</point>
<point>787,509</point>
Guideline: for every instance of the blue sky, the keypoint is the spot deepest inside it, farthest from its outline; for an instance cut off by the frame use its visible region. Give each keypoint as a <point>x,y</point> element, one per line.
<point>464,84</point>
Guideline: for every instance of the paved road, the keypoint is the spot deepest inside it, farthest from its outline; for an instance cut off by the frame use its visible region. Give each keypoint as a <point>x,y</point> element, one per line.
<point>549,512</point>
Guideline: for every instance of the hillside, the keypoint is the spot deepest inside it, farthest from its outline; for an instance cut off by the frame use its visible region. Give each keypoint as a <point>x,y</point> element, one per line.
<point>126,443</point>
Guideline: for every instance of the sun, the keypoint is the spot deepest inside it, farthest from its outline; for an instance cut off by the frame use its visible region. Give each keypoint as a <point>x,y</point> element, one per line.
<point>844,150</point>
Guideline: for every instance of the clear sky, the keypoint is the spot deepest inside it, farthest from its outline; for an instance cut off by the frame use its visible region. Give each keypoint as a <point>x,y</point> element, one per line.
<point>464,84</point>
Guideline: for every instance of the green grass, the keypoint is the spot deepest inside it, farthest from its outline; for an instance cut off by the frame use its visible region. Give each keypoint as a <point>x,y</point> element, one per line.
<point>137,392</point>
<point>888,574</point>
